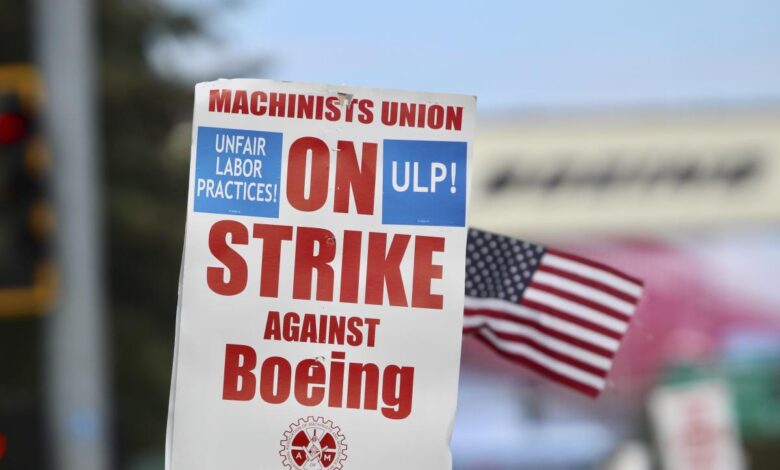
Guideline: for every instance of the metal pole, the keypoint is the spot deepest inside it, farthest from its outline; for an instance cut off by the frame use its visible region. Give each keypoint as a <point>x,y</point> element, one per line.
<point>75,356</point>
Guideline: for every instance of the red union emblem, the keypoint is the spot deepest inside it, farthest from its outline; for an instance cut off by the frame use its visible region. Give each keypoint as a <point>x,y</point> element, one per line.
<point>313,444</point>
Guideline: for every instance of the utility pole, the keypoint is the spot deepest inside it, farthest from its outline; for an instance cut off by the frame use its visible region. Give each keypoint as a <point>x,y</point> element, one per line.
<point>75,356</point>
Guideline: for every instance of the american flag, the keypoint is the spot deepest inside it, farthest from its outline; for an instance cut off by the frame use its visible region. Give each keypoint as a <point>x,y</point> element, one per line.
<point>560,315</point>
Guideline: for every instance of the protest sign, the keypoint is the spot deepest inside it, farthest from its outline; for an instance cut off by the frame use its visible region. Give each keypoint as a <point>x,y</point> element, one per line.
<point>321,296</point>
<point>695,427</point>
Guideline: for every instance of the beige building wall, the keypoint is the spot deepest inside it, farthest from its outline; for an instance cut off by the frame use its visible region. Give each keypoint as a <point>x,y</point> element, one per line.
<point>627,173</point>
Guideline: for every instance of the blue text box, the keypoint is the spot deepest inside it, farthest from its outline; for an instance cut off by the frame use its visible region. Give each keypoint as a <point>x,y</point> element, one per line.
<point>238,172</point>
<point>424,183</point>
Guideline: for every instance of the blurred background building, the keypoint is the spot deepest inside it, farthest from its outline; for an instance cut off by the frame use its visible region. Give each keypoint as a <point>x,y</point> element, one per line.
<point>642,134</point>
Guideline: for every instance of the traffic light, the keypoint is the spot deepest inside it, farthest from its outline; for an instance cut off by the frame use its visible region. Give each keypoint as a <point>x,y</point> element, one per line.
<point>27,275</point>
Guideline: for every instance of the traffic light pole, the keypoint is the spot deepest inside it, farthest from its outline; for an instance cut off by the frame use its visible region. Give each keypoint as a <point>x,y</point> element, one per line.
<point>75,355</point>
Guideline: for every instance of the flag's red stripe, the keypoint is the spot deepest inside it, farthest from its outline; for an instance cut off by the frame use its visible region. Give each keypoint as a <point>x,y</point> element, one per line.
<point>589,282</point>
<point>570,318</point>
<point>550,352</point>
<point>542,370</point>
<point>595,264</point>
<point>580,300</point>
<point>470,329</point>
<point>542,329</point>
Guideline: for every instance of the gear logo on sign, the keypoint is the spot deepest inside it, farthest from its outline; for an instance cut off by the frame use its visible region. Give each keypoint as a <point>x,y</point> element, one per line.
<point>313,444</point>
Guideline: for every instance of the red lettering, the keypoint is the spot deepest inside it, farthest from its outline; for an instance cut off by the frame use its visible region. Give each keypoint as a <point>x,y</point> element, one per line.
<point>309,329</point>
<point>219,101</point>
<point>275,378</point>
<point>336,328</point>
<point>397,391</point>
<point>336,389</point>
<point>371,323</point>
<point>291,105</point>
<point>389,113</point>
<point>273,327</point>
<point>350,266</point>
<point>309,382</point>
<point>235,264</point>
<point>276,104</point>
<point>358,179</point>
<point>305,107</point>
<point>355,336</point>
<point>307,260</point>
<point>312,381</point>
<point>297,176</point>
<point>319,107</point>
<point>258,100</point>
<point>240,103</point>
<point>333,112</point>
<point>407,115</point>
<point>349,114</point>
<point>435,116</point>
<point>425,271</point>
<point>366,115</point>
<point>291,327</point>
<point>239,382</point>
<point>272,236</point>
<point>454,118</point>
<point>420,115</point>
<point>384,269</point>
<point>357,386</point>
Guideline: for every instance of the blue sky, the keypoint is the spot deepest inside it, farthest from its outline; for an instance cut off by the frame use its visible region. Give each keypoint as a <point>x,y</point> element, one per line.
<point>521,54</point>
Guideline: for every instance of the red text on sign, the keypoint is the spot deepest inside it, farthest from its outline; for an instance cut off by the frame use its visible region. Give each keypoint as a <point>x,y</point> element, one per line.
<point>314,274</point>
<point>311,383</point>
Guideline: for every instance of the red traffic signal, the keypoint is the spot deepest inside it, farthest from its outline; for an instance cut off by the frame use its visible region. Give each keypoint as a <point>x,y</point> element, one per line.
<point>13,128</point>
<point>27,276</point>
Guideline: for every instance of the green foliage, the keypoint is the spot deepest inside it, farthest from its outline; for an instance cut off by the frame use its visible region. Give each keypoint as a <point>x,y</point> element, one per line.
<point>145,205</point>
<point>15,31</point>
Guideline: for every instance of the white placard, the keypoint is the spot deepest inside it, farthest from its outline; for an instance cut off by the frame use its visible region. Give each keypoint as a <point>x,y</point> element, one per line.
<point>321,298</point>
<point>695,427</point>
